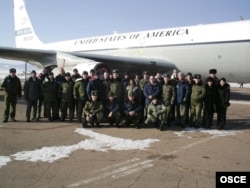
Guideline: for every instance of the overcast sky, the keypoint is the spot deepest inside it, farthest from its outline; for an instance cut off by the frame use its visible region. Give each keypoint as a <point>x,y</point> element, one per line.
<point>55,20</point>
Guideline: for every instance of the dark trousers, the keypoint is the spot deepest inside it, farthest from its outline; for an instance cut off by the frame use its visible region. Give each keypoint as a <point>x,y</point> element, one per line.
<point>30,104</point>
<point>9,107</point>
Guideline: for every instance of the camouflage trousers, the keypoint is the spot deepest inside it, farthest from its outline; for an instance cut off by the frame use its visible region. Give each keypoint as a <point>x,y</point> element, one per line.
<point>154,117</point>
<point>95,118</point>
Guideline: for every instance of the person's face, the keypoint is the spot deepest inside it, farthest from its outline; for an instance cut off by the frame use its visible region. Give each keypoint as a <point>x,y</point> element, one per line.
<point>180,76</point>
<point>166,79</point>
<point>85,76</point>
<point>93,97</point>
<point>154,101</point>
<point>33,75</point>
<point>131,98</point>
<point>212,75</point>
<point>196,80</point>
<point>51,76</point>
<point>152,79</point>
<point>13,74</point>
<point>67,78</point>
<point>106,75</point>
<point>210,83</point>
<point>222,83</point>
<point>111,98</point>
<point>131,82</point>
<point>115,75</point>
<point>75,72</point>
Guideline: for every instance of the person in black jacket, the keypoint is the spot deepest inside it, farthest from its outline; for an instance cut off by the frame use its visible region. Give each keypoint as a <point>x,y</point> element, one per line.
<point>224,94</point>
<point>13,89</point>
<point>211,100</point>
<point>32,92</point>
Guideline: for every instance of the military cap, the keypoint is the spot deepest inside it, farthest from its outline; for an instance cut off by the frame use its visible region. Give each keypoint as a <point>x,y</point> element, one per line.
<point>115,71</point>
<point>75,70</point>
<point>67,74</point>
<point>85,72</point>
<point>12,70</point>
<point>33,72</point>
<point>212,71</point>
<point>50,73</point>
<point>166,75</point>
<point>189,74</point>
<point>145,72</point>
<point>92,71</point>
<point>197,76</point>
<point>94,92</point>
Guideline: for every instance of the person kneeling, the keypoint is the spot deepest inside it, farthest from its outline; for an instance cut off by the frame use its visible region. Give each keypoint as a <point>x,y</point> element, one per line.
<point>93,111</point>
<point>156,114</point>
<point>132,112</point>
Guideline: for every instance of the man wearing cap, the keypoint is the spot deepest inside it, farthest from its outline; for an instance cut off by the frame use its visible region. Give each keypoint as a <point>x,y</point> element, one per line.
<point>212,74</point>
<point>132,111</point>
<point>74,77</point>
<point>13,89</point>
<point>182,93</point>
<point>156,114</point>
<point>93,111</point>
<point>168,96</point>
<point>32,91</point>
<point>80,93</point>
<point>50,90</point>
<point>112,110</point>
<point>211,100</point>
<point>67,98</point>
<point>96,84</point>
<point>197,97</point>
<point>116,86</point>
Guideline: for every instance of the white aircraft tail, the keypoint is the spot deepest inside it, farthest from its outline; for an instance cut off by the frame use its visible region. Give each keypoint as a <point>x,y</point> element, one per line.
<point>25,34</point>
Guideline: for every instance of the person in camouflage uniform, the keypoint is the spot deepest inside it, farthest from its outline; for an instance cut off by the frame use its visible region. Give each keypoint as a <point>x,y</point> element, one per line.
<point>80,93</point>
<point>156,114</point>
<point>197,96</point>
<point>135,89</point>
<point>93,111</point>
<point>168,96</point>
<point>13,89</point>
<point>67,98</point>
<point>50,90</point>
<point>116,86</point>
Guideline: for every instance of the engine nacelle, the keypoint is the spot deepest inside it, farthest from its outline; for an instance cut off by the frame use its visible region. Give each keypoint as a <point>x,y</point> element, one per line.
<point>70,62</point>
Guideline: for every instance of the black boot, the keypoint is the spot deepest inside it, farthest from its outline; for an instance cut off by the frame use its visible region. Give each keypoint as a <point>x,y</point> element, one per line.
<point>84,123</point>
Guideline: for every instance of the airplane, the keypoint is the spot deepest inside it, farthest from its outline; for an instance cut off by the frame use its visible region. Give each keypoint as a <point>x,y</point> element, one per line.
<point>223,46</point>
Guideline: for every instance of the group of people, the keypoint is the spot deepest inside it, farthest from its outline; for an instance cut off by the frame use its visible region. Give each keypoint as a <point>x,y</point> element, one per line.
<point>95,97</point>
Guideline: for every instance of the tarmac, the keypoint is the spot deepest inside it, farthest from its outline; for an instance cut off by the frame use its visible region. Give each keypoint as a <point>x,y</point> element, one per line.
<point>62,154</point>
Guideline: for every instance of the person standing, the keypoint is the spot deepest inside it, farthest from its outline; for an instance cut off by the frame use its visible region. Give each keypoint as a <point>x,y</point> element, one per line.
<point>80,93</point>
<point>67,98</point>
<point>116,86</point>
<point>182,93</point>
<point>50,90</point>
<point>32,92</point>
<point>197,97</point>
<point>211,102</point>
<point>224,94</point>
<point>42,76</point>
<point>168,97</point>
<point>13,89</point>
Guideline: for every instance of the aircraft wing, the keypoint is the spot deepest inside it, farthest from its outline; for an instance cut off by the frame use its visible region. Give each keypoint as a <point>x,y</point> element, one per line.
<point>39,58</point>
<point>49,58</point>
